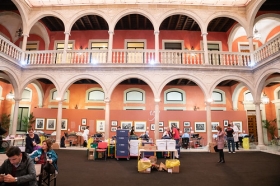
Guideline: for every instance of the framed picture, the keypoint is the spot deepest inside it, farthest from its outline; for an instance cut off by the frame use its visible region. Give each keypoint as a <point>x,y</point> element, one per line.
<point>84,121</point>
<point>187,130</point>
<point>152,126</point>
<point>83,128</point>
<point>126,125</point>
<point>160,124</point>
<point>200,126</point>
<point>160,129</point>
<point>225,123</point>
<point>40,123</point>
<point>114,123</point>
<point>51,124</point>
<point>238,124</point>
<point>174,123</point>
<point>214,126</point>
<point>64,124</point>
<point>187,124</point>
<point>140,126</point>
<point>100,125</point>
<point>113,129</point>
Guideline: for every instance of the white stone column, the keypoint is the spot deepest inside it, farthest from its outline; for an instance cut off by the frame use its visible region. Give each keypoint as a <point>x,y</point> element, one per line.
<point>110,47</point>
<point>58,122</point>
<point>66,40</point>
<point>23,46</point>
<point>251,47</point>
<point>156,46</point>
<point>15,116</point>
<point>261,145</point>
<point>208,123</point>
<point>205,48</point>
<point>107,118</point>
<point>156,134</point>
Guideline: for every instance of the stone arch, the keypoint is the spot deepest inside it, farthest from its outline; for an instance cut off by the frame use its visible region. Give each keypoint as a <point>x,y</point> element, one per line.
<point>188,13</point>
<point>114,22</point>
<point>252,14</point>
<point>80,14</point>
<point>185,76</point>
<point>44,34</point>
<point>11,76</point>
<point>132,75</point>
<point>66,86</point>
<point>40,92</point>
<point>22,12</point>
<point>232,34</point>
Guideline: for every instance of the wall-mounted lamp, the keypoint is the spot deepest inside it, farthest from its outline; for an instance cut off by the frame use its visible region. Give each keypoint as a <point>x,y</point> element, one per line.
<point>19,32</point>
<point>265,99</point>
<point>192,48</point>
<point>195,108</point>
<point>10,96</point>
<point>76,107</point>
<point>81,48</point>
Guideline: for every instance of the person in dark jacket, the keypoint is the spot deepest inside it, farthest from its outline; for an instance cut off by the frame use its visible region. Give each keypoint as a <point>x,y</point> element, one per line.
<point>31,142</point>
<point>18,169</point>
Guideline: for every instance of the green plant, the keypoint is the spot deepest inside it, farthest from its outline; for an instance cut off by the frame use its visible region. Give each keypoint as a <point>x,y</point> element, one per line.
<point>271,128</point>
<point>5,121</point>
<point>28,121</point>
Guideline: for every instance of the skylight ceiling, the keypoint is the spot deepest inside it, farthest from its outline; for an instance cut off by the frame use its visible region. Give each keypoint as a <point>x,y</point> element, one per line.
<point>34,3</point>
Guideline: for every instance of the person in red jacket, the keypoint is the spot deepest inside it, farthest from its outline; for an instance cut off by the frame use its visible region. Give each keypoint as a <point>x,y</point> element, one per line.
<point>176,135</point>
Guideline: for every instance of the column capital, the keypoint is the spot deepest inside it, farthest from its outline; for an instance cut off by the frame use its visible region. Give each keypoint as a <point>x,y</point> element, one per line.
<point>17,99</point>
<point>250,37</point>
<point>25,35</point>
<point>111,32</point>
<point>204,34</point>
<point>67,33</point>
<point>257,103</point>
<point>157,100</point>
<point>107,100</point>
<point>156,32</point>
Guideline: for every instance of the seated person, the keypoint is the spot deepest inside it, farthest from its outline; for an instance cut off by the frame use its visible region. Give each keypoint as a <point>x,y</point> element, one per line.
<point>45,155</point>
<point>145,136</point>
<point>185,140</point>
<point>133,136</point>
<point>167,134</point>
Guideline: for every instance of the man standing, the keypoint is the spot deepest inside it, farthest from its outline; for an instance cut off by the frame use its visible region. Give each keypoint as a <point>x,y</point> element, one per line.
<point>230,139</point>
<point>18,169</point>
<point>176,135</point>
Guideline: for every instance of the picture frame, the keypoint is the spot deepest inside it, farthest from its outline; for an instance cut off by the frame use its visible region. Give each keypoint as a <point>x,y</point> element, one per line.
<point>200,126</point>
<point>140,126</point>
<point>51,124</point>
<point>152,126</point>
<point>187,130</point>
<point>225,123</point>
<point>160,129</point>
<point>238,124</point>
<point>83,128</point>
<point>40,123</point>
<point>64,123</point>
<point>176,123</point>
<point>160,124</point>
<point>114,123</point>
<point>214,126</point>
<point>84,121</point>
<point>126,125</point>
<point>113,129</point>
<point>187,124</point>
<point>100,125</point>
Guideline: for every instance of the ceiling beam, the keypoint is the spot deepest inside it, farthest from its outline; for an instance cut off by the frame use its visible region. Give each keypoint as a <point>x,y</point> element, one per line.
<point>122,26</point>
<point>216,23</point>
<point>51,23</point>
<point>59,23</point>
<point>224,83</point>
<point>179,81</point>
<point>178,22</point>
<point>193,22</point>
<point>98,24</point>
<point>90,24</point>
<point>83,24</point>
<point>145,22</point>
<point>221,26</point>
<point>129,22</point>
<point>169,22</point>
<point>185,23</point>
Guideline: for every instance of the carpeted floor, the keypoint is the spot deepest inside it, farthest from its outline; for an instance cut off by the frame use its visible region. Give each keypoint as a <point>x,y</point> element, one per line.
<point>200,168</point>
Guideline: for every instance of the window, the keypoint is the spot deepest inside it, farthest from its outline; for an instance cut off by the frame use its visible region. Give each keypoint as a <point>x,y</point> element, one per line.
<point>278,94</point>
<point>26,95</point>
<point>134,95</point>
<point>135,53</point>
<point>172,46</point>
<point>59,45</point>
<point>248,97</point>
<point>95,95</point>
<point>218,96</point>
<point>99,45</point>
<point>32,46</point>
<point>53,95</point>
<point>22,122</point>
<point>174,96</point>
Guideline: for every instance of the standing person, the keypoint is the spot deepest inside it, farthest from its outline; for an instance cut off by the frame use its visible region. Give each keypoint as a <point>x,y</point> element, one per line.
<point>175,133</point>
<point>31,141</point>
<point>45,154</point>
<point>132,131</point>
<point>236,136</point>
<point>220,144</point>
<point>230,139</point>
<point>85,136</point>
<point>18,169</point>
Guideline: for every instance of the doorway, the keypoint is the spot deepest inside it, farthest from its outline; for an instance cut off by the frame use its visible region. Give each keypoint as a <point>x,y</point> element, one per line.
<point>22,113</point>
<point>252,128</point>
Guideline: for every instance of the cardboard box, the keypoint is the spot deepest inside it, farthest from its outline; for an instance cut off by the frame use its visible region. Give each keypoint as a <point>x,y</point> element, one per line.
<point>100,155</point>
<point>150,147</point>
<point>173,170</point>
<point>162,167</point>
<point>211,147</point>
<point>148,170</point>
<point>91,153</point>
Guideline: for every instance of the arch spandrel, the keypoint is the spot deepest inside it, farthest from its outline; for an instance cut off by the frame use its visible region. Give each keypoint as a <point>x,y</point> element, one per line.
<point>13,75</point>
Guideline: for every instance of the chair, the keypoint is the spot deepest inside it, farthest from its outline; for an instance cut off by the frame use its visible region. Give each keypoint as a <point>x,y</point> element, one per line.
<point>185,143</point>
<point>45,178</point>
<point>102,148</point>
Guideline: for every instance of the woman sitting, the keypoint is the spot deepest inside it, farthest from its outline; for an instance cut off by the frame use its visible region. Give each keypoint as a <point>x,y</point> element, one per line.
<point>45,155</point>
<point>31,142</point>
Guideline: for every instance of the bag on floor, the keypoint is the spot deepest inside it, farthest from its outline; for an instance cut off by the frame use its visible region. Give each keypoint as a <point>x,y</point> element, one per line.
<point>85,144</point>
<point>49,168</point>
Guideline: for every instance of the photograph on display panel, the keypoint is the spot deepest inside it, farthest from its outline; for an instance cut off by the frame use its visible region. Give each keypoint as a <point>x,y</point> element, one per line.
<point>238,124</point>
<point>40,123</point>
<point>126,125</point>
<point>160,124</point>
<point>113,129</point>
<point>100,125</point>
<point>63,124</point>
<point>152,126</point>
<point>187,130</point>
<point>214,126</point>
<point>140,126</point>
<point>200,126</point>
<point>84,121</point>
<point>173,123</point>
<point>187,124</point>
<point>160,129</point>
<point>51,124</point>
<point>114,123</point>
<point>225,123</point>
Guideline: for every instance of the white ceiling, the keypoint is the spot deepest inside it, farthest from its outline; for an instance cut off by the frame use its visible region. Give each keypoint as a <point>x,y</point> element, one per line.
<point>34,3</point>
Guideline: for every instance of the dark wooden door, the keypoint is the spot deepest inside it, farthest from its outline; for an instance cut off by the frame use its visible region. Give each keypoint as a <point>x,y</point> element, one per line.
<point>252,127</point>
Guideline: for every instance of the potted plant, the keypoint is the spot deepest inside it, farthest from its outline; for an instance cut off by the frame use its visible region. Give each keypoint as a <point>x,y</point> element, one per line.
<point>270,126</point>
<point>28,121</point>
<point>5,121</point>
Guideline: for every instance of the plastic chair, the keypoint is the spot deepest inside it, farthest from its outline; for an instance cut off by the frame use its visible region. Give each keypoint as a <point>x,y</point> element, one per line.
<point>102,147</point>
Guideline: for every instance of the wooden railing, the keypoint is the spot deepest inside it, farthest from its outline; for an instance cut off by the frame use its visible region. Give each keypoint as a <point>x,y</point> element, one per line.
<point>178,57</point>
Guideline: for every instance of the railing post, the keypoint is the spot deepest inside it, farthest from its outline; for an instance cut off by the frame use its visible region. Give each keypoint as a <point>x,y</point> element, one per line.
<point>205,48</point>
<point>156,46</point>
<point>110,47</point>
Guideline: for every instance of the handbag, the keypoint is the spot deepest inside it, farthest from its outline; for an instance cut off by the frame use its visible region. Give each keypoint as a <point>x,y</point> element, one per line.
<point>216,148</point>
<point>49,168</point>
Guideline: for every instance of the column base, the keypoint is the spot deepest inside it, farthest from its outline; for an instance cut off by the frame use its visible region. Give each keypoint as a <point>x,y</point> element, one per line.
<point>261,147</point>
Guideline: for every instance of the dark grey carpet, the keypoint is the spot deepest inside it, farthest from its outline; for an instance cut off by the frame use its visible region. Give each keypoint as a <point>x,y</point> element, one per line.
<point>242,168</point>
